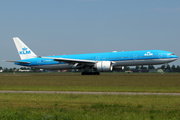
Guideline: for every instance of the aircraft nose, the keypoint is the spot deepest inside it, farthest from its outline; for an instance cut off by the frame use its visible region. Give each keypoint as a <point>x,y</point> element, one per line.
<point>173,56</point>
<point>176,57</point>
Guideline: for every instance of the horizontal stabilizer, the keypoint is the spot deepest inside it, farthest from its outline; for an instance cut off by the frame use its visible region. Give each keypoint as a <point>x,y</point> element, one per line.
<point>17,62</point>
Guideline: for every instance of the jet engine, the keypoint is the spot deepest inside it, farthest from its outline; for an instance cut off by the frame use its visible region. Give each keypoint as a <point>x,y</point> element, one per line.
<point>118,68</point>
<point>104,66</point>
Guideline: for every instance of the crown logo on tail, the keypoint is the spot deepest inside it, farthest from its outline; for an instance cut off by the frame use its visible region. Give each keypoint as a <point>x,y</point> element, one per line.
<point>24,49</point>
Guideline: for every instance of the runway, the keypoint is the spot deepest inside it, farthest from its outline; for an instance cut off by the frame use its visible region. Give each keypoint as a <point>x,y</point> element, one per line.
<point>90,93</point>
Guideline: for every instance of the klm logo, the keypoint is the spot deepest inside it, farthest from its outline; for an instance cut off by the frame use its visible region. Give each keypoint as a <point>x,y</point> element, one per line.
<point>25,51</point>
<point>148,54</point>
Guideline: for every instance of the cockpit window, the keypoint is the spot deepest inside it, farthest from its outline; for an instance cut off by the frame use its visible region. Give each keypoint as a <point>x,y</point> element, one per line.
<point>172,54</point>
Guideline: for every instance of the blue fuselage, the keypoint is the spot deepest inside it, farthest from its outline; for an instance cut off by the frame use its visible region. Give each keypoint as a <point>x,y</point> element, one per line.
<point>128,58</point>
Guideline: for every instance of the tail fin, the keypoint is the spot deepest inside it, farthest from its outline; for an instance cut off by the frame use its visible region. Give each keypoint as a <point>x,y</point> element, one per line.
<point>23,50</point>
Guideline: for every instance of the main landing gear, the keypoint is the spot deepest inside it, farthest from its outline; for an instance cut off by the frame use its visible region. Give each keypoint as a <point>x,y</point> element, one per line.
<point>90,73</point>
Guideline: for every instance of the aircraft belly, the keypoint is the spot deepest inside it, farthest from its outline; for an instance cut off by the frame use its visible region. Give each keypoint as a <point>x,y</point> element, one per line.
<point>55,67</point>
<point>142,62</point>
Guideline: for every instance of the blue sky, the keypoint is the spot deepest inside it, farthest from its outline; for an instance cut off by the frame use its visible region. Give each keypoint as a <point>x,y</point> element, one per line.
<point>59,27</point>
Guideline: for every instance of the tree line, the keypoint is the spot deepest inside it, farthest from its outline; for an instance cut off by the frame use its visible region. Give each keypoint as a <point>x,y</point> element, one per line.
<point>169,68</point>
<point>17,69</point>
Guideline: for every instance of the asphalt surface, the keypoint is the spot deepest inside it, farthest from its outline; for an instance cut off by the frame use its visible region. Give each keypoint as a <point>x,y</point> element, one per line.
<point>92,93</point>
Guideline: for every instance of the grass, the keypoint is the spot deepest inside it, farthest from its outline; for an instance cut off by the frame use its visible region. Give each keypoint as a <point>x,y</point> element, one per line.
<point>61,106</point>
<point>105,82</point>
<point>20,106</point>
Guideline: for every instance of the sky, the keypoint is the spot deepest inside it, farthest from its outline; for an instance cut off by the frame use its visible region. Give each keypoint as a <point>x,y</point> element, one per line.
<point>58,27</point>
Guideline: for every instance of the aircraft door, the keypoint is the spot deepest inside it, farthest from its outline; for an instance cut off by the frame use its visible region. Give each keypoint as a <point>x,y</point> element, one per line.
<point>39,62</point>
<point>135,56</point>
<point>97,58</point>
<point>160,55</point>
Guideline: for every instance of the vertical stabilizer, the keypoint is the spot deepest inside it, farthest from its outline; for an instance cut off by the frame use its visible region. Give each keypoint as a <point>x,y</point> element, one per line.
<point>23,50</point>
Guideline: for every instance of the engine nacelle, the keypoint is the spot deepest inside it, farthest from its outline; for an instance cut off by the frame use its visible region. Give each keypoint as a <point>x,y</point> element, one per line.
<point>118,68</point>
<point>104,66</point>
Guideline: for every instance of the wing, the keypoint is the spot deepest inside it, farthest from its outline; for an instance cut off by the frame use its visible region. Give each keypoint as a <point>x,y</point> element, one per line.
<point>67,60</point>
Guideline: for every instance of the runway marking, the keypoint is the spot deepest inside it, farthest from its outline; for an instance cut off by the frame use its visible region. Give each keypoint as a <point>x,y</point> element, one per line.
<point>92,93</point>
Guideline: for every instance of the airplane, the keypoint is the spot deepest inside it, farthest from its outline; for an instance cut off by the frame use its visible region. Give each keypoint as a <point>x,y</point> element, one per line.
<point>92,63</point>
